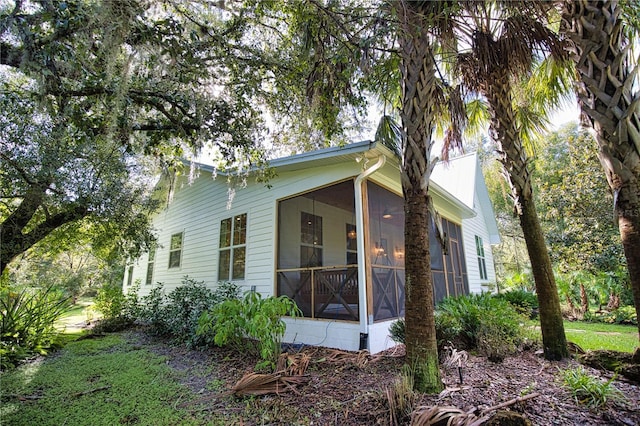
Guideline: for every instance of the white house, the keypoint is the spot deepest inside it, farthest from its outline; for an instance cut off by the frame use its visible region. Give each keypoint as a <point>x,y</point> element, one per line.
<point>328,233</point>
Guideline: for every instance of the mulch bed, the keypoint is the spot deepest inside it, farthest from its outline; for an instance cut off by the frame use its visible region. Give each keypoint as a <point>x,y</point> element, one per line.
<point>342,388</point>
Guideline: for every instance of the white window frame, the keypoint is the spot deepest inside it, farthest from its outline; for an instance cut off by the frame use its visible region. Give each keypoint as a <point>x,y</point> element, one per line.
<point>482,262</point>
<point>151,260</point>
<point>178,250</point>
<point>235,243</point>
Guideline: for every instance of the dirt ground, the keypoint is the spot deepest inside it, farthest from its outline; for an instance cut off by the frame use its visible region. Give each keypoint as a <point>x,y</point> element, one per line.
<point>341,388</point>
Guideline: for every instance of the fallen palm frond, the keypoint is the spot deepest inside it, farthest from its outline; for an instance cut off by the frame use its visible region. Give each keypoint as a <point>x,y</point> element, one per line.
<point>436,416</point>
<point>293,364</point>
<point>263,384</point>
<point>450,390</point>
<point>454,358</point>
<point>452,416</point>
<point>360,358</point>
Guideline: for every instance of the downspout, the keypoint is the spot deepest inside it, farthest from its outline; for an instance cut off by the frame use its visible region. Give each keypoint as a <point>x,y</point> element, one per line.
<point>362,276</point>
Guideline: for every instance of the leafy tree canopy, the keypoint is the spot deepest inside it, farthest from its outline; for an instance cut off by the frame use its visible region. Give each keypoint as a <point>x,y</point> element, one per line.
<point>575,204</point>
<point>96,94</point>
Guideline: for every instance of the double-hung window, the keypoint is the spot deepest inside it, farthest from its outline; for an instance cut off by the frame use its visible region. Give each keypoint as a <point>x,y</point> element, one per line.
<point>150,263</point>
<point>233,248</point>
<point>175,250</point>
<point>482,264</point>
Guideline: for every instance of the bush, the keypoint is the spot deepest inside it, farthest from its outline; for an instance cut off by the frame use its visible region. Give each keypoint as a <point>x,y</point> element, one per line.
<point>397,330</point>
<point>525,302</point>
<point>589,390</point>
<point>250,324</point>
<point>27,322</point>
<point>622,315</point>
<point>119,310</point>
<point>177,314</point>
<point>479,321</point>
<point>152,312</point>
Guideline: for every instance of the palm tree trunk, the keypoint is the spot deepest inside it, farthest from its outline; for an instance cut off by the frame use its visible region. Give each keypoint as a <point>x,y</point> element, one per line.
<point>554,341</point>
<point>417,115</point>
<point>514,160</point>
<point>602,53</point>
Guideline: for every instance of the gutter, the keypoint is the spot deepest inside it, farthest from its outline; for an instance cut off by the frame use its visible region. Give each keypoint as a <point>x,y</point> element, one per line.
<point>362,294</point>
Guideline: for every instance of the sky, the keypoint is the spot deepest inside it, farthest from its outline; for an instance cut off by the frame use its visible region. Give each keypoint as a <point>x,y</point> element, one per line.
<point>570,112</point>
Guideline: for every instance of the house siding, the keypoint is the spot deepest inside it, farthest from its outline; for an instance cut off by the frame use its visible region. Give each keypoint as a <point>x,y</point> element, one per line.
<point>471,228</point>
<point>197,209</point>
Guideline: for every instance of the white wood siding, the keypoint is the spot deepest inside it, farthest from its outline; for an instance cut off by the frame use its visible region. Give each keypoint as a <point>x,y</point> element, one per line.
<point>197,209</point>
<point>471,228</point>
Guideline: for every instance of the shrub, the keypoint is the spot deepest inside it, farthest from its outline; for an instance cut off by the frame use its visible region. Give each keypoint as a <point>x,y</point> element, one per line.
<point>250,324</point>
<point>183,308</point>
<point>589,390</point>
<point>152,311</point>
<point>622,315</point>
<point>27,322</point>
<point>177,313</point>
<point>525,302</point>
<point>119,310</point>
<point>479,321</point>
<point>397,330</point>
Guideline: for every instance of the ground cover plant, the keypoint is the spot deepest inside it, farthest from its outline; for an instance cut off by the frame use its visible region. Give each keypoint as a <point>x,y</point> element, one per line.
<point>131,377</point>
<point>106,381</point>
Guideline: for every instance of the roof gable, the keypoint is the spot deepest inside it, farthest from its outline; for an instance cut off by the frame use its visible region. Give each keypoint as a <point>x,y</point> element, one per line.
<point>462,177</point>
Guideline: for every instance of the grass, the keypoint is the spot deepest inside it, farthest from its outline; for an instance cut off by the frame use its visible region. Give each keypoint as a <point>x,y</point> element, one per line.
<point>74,319</point>
<point>96,382</point>
<point>596,336</point>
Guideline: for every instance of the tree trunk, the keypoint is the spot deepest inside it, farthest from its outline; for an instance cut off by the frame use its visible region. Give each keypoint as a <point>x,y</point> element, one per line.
<point>417,115</point>
<point>584,300</point>
<point>14,240</point>
<point>602,54</point>
<point>630,233</point>
<point>515,162</point>
<point>614,302</point>
<point>554,341</point>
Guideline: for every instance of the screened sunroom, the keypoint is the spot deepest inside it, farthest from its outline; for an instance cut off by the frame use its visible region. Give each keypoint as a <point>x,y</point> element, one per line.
<point>334,270</point>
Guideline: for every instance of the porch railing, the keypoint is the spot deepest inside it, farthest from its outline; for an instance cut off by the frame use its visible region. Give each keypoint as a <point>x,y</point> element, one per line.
<point>322,292</point>
<point>388,291</point>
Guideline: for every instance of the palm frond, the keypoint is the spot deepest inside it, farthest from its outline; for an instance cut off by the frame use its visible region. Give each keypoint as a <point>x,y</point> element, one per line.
<point>458,121</point>
<point>389,134</point>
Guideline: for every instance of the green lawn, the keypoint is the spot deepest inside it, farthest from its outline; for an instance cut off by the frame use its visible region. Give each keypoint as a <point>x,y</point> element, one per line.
<point>74,319</point>
<point>594,336</point>
<point>97,382</point>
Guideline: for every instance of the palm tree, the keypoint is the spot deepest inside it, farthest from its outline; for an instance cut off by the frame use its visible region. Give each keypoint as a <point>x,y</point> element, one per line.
<point>607,93</point>
<point>362,44</point>
<point>417,114</point>
<point>501,42</point>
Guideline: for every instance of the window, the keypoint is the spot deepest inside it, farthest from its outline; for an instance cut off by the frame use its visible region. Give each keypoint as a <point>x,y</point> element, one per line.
<point>130,276</point>
<point>310,240</point>
<point>482,265</point>
<point>352,245</point>
<point>150,262</point>
<point>233,247</point>
<point>175,250</point>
